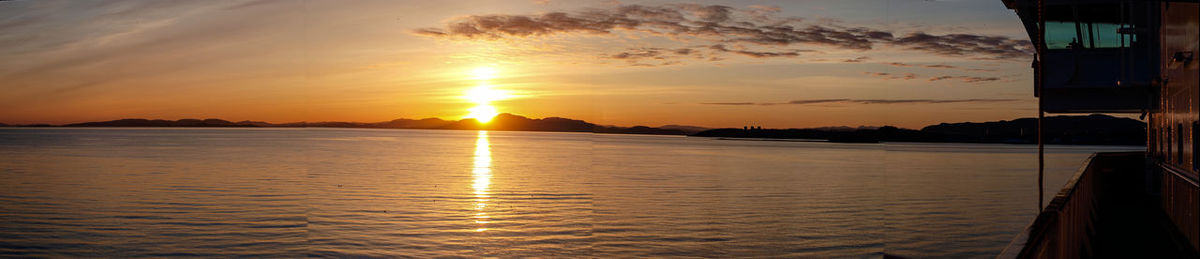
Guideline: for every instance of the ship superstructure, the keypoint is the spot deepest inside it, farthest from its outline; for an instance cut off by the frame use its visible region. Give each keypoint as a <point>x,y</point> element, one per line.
<point>1112,56</point>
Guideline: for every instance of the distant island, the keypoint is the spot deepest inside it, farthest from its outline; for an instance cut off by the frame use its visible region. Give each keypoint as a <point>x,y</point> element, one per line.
<point>1093,129</point>
<point>505,121</point>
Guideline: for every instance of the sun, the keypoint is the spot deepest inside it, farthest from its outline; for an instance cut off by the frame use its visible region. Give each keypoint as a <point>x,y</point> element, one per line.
<point>483,95</point>
<point>482,113</point>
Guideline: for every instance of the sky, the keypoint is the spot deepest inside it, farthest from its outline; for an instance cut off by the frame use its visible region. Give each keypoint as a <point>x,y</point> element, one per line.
<point>775,64</point>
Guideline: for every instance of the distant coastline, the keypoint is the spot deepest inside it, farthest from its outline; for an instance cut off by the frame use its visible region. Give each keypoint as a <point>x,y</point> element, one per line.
<point>504,122</point>
<point>1068,130</point>
<point>1073,130</point>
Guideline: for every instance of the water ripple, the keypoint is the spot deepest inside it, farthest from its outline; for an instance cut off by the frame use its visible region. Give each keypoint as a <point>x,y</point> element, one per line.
<point>462,194</point>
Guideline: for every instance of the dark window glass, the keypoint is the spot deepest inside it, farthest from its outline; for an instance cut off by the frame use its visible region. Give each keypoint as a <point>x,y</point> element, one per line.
<point>1060,35</point>
<point>1086,26</point>
<point>1104,35</point>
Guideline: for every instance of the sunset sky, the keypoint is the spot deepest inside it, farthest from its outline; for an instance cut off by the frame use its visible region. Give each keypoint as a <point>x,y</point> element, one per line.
<point>713,63</point>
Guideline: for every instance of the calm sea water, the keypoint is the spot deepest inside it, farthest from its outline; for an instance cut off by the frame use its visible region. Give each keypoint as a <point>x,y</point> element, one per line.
<point>420,193</point>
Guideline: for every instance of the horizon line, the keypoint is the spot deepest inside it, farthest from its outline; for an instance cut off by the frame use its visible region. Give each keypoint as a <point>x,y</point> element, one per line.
<point>522,116</point>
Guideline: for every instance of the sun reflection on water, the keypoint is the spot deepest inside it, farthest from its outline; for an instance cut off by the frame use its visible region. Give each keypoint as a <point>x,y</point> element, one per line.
<point>482,173</point>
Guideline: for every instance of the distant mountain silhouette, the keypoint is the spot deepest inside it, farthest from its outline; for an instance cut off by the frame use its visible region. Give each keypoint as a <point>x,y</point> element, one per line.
<point>639,130</point>
<point>846,128</point>
<point>519,123</point>
<point>162,123</point>
<point>500,122</point>
<point>1093,129</point>
<point>685,128</point>
<point>1090,129</point>
<point>507,121</point>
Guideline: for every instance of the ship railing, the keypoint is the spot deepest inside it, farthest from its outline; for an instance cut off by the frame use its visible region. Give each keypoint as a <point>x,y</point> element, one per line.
<point>1179,201</point>
<point>1062,228</point>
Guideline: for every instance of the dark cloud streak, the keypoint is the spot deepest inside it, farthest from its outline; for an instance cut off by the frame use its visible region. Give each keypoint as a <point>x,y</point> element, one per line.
<point>857,60</point>
<point>719,24</point>
<point>911,76</point>
<point>942,66</point>
<point>968,79</point>
<point>890,76</point>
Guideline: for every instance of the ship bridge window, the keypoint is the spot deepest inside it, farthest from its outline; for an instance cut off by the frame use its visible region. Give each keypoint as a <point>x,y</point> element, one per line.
<point>1060,35</point>
<point>1105,35</point>
<point>1087,26</point>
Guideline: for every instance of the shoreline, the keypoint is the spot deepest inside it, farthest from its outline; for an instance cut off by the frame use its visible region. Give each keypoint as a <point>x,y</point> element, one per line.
<point>796,140</point>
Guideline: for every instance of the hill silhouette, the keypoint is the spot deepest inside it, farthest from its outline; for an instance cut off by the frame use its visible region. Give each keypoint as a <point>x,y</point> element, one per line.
<point>685,128</point>
<point>506,121</point>
<point>162,123</point>
<point>1090,129</point>
<point>519,123</point>
<point>1093,129</point>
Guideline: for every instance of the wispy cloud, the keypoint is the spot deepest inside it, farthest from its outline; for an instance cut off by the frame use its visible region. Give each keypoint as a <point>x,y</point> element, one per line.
<point>942,66</point>
<point>911,76</point>
<point>127,40</point>
<point>891,76</point>
<point>968,79</point>
<point>857,60</point>
<point>720,25</point>
<point>865,101</point>
<point>651,56</point>
<point>757,54</point>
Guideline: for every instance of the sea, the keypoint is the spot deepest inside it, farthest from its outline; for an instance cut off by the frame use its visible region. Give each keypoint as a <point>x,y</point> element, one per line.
<point>364,193</point>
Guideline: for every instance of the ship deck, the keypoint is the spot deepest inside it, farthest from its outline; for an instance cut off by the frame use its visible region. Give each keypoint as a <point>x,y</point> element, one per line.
<point>1105,211</point>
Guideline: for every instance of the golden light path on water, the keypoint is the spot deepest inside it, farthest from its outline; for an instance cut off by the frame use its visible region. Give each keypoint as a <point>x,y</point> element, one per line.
<point>482,173</point>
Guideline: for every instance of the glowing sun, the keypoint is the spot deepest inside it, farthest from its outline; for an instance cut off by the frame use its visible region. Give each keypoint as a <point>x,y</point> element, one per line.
<point>483,95</point>
<point>482,113</point>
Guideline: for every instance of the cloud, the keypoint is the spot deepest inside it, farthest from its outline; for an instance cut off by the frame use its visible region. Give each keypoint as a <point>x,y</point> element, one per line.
<point>890,76</point>
<point>164,37</point>
<point>249,4</point>
<point>994,47</point>
<point>708,13</point>
<point>817,101</point>
<point>762,13</point>
<point>857,60</point>
<point>731,103</point>
<point>640,53</point>
<point>942,66</point>
<point>657,56</point>
<point>968,79</point>
<point>866,101</point>
<point>756,54</point>
<point>911,76</point>
<point>719,25</point>
<point>668,56</point>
